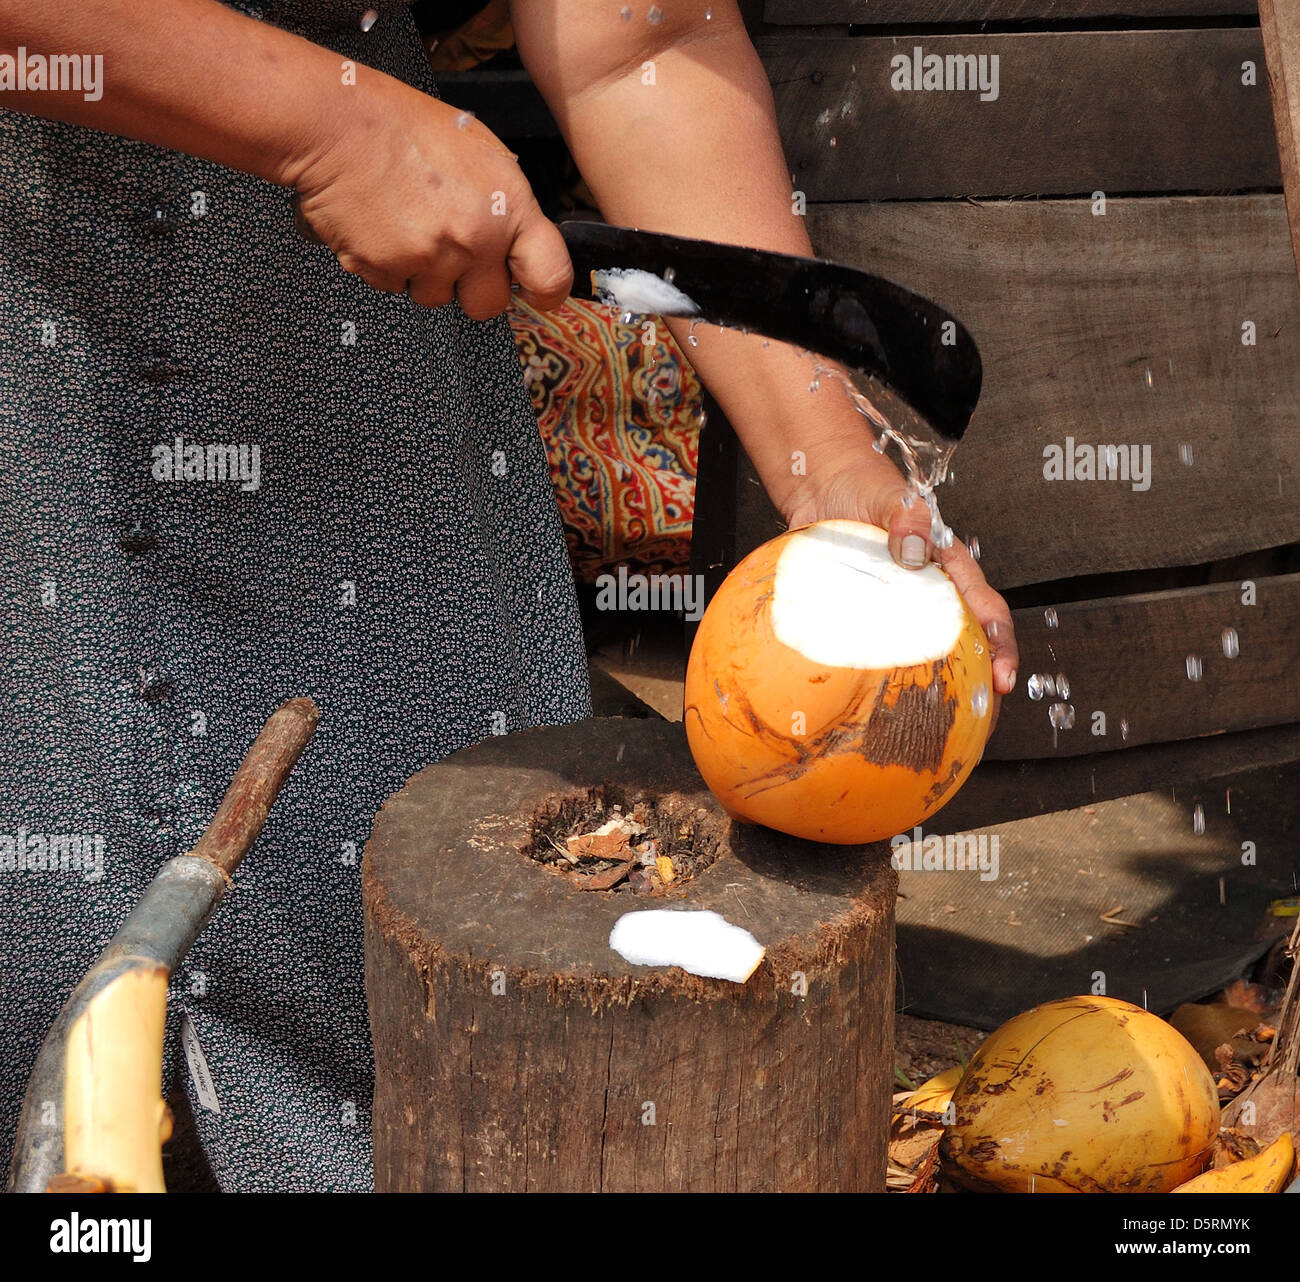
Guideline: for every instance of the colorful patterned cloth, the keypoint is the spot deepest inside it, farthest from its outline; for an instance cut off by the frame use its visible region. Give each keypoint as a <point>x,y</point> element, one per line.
<point>620,410</point>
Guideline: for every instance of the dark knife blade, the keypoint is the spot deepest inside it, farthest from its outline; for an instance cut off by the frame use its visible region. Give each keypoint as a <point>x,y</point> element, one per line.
<point>900,343</point>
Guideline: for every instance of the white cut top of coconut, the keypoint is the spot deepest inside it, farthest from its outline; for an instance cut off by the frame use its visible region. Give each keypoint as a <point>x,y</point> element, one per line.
<point>632,290</point>
<point>842,601</point>
<point>702,942</point>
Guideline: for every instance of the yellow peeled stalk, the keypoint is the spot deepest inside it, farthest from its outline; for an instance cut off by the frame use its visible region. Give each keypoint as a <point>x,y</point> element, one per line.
<point>936,1094</point>
<point>1266,1172</point>
<point>114,1115</point>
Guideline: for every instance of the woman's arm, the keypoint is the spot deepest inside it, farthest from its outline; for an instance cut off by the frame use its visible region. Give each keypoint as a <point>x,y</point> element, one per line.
<point>690,146</point>
<point>388,178</point>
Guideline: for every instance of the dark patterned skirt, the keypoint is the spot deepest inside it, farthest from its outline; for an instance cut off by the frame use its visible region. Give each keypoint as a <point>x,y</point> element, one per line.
<point>230,474</point>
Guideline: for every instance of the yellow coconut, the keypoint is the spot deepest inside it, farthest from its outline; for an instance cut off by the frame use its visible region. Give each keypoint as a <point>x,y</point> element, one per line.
<point>1084,1095</point>
<point>834,695</point>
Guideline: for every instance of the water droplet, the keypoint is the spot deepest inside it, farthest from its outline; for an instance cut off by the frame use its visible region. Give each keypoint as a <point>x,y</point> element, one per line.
<point>369,18</point>
<point>1061,715</point>
<point>1198,820</point>
<point>1034,686</point>
<point>814,385</point>
<point>767,342</point>
<point>1050,618</point>
<point>656,15</point>
<point>979,649</point>
<point>979,701</point>
<point>974,544</point>
<point>1194,667</point>
<point>694,342</point>
<point>1185,453</point>
<point>1123,729</point>
<point>708,15</point>
<point>670,275</point>
<point>462,121</point>
<point>1148,376</point>
<point>1062,686</point>
<point>942,537</point>
<point>834,143</point>
<point>878,445</point>
<point>1110,457</point>
<point>626,318</point>
<point>625,13</point>
<point>1231,643</point>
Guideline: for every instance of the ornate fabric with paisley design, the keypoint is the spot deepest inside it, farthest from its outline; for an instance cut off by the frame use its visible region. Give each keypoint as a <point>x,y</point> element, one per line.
<point>620,410</point>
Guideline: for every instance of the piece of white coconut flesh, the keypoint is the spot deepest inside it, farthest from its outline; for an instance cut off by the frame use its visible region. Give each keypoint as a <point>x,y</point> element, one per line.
<point>643,293</point>
<point>842,601</point>
<point>702,942</point>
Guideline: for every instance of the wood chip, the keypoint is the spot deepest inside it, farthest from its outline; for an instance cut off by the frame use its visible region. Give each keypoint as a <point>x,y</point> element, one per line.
<point>610,878</point>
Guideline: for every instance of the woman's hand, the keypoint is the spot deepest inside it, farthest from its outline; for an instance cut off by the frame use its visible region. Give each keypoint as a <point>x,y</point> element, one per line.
<point>871,489</point>
<point>417,197</point>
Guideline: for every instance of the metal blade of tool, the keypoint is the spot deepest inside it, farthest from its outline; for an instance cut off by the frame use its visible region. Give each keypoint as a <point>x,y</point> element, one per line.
<point>914,360</point>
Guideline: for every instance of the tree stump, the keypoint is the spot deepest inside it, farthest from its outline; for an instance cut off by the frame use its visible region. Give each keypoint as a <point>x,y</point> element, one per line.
<point>516,1051</point>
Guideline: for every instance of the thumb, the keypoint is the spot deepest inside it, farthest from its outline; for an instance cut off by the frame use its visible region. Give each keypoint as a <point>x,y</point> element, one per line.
<point>539,261</point>
<point>907,522</point>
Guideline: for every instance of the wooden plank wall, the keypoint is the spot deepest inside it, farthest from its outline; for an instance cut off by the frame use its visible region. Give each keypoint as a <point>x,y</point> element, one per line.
<point>1118,322</point>
<point>1074,113</point>
<point>920,13</point>
<point>1280,25</point>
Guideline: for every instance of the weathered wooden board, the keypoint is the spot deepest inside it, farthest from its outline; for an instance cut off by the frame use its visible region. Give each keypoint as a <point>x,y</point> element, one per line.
<point>1127,662</point>
<point>1075,112</point>
<point>1120,329</point>
<point>915,13</point>
<point>1000,791</point>
<point>1280,26</point>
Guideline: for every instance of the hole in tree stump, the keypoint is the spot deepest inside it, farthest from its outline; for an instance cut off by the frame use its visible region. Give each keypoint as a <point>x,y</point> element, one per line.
<point>613,841</point>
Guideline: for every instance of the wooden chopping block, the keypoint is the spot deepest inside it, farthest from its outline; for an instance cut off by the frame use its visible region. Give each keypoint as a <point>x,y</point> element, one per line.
<point>515,1050</point>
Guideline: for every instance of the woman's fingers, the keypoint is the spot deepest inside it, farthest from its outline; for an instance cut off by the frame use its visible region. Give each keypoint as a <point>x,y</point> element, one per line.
<point>990,609</point>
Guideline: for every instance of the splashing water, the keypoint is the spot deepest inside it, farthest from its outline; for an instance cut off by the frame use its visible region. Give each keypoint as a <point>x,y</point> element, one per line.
<point>1194,667</point>
<point>979,701</point>
<point>925,458</point>
<point>1062,686</point>
<point>1198,820</point>
<point>1061,715</point>
<point>1050,618</point>
<point>1042,685</point>
<point>1231,643</point>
